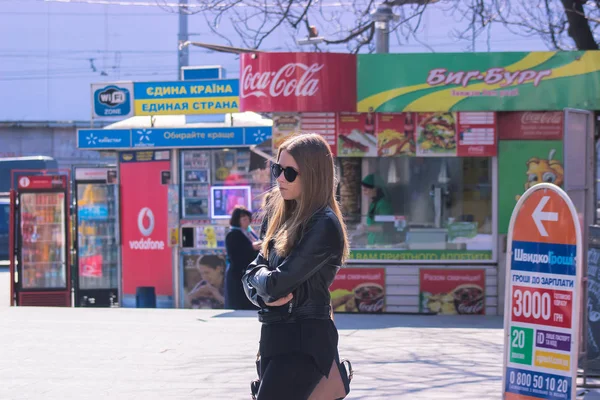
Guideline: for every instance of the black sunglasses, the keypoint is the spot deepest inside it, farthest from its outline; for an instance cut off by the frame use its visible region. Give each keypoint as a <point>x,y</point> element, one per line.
<point>289,173</point>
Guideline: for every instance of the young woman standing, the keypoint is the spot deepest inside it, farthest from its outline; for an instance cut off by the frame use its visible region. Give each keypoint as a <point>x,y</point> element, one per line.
<point>304,247</point>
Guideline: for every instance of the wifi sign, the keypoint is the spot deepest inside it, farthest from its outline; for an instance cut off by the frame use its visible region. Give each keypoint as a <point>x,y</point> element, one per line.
<point>112,101</point>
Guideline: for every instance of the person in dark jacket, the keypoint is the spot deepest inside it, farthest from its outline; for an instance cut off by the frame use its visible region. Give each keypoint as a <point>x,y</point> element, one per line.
<point>242,246</point>
<point>265,218</point>
<point>304,247</point>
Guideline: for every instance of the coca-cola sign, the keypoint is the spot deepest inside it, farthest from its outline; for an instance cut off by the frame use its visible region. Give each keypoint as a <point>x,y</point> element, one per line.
<point>531,125</point>
<point>298,82</point>
<point>283,82</point>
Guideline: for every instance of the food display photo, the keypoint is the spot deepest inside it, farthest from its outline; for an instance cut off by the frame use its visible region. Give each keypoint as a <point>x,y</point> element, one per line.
<point>395,134</point>
<point>360,290</point>
<point>357,135</point>
<point>436,134</point>
<point>452,291</point>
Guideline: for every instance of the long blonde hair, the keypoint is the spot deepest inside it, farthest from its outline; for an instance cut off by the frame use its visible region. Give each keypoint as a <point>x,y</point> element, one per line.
<point>287,218</point>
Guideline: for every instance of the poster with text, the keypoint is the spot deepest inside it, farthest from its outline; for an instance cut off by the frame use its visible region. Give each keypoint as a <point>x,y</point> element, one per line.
<point>531,125</point>
<point>476,134</point>
<point>284,126</point>
<point>395,134</point>
<point>324,124</point>
<point>436,134</point>
<point>203,279</point>
<point>452,291</point>
<point>356,135</point>
<point>522,164</point>
<point>359,290</point>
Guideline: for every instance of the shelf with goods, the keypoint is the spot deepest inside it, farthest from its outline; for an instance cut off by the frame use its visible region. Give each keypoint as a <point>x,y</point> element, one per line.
<point>97,236</point>
<point>43,236</point>
<point>203,169</point>
<point>195,187</point>
<point>237,167</point>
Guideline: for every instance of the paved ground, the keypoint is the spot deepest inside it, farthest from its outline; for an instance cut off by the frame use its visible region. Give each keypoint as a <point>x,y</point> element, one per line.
<point>183,354</point>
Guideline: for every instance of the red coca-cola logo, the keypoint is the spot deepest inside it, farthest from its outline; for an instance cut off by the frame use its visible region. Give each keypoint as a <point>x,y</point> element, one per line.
<point>371,307</point>
<point>470,308</point>
<point>283,82</point>
<point>528,118</point>
<point>476,150</point>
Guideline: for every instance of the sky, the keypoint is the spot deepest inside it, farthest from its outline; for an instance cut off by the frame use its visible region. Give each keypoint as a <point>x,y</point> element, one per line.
<point>52,51</point>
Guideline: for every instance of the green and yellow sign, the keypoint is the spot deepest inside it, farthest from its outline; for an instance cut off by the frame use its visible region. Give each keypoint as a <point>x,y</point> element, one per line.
<point>479,81</point>
<point>421,255</point>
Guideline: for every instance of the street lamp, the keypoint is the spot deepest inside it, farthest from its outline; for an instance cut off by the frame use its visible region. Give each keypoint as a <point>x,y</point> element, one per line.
<point>312,38</point>
<point>383,15</point>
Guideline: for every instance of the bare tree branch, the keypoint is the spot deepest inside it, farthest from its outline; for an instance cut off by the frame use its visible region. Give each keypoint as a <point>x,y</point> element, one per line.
<point>347,24</point>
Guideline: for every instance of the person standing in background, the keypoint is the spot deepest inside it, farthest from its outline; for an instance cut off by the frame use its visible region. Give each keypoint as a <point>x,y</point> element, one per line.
<point>265,216</point>
<point>373,188</point>
<point>242,245</point>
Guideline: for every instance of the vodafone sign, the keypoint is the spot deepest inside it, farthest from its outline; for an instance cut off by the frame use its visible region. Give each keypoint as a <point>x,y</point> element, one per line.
<point>145,222</point>
<point>147,260</point>
<point>298,82</point>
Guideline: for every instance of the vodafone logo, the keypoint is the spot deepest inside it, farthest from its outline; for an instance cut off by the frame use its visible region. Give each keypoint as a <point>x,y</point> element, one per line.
<point>24,181</point>
<point>146,221</point>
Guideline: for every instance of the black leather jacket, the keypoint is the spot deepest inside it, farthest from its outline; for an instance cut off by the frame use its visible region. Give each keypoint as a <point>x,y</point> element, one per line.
<point>307,271</point>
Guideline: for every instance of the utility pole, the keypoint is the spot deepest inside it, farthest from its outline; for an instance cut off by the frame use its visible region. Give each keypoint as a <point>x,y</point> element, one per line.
<point>183,54</point>
<point>383,15</point>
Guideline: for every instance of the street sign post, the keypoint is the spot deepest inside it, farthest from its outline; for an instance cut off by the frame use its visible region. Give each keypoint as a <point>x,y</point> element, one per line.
<point>543,286</point>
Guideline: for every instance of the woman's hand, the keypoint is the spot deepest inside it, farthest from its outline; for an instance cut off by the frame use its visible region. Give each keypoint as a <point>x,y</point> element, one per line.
<point>257,245</point>
<point>281,301</point>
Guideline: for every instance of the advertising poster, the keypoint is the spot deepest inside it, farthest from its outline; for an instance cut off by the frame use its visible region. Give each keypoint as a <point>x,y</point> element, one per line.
<point>452,291</point>
<point>225,198</point>
<point>541,316</point>
<point>203,279</point>
<point>323,124</point>
<point>507,81</point>
<point>436,135</point>
<point>284,126</point>
<point>522,164</point>
<point>356,135</point>
<point>91,266</point>
<point>395,134</point>
<point>531,125</point>
<point>146,256</point>
<point>210,236</point>
<point>476,134</point>
<point>359,290</point>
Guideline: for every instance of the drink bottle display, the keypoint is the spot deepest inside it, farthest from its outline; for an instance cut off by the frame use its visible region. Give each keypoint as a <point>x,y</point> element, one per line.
<point>43,240</point>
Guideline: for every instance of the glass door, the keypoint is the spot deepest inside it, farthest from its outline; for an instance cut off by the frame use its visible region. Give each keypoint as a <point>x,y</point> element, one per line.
<point>97,244</point>
<point>43,241</point>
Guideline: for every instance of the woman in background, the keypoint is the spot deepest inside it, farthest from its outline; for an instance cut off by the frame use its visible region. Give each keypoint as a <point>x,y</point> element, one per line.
<point>242,246</point>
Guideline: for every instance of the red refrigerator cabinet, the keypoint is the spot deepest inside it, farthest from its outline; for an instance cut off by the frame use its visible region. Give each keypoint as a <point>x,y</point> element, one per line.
<point>42,242</point>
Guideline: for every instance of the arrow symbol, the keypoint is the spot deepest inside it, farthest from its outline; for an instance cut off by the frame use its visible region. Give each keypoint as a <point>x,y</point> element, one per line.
<point>538,216</point>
